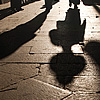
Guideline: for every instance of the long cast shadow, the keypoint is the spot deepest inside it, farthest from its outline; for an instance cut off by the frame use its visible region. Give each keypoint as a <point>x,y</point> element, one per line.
<point>6,12</point>
<point>91,2</point>
<point>93,49</point>
<point>11,40</point>
<point>68,32</point>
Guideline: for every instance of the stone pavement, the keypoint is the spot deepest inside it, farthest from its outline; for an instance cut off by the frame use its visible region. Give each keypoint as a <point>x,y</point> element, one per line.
<point>54,56</point>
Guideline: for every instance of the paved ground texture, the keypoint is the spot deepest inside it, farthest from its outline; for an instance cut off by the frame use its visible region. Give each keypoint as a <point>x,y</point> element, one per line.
<point>54,56</point>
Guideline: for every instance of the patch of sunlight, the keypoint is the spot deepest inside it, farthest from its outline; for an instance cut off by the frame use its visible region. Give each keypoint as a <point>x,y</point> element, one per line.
<point>59,49</point>
<point>76,48</point>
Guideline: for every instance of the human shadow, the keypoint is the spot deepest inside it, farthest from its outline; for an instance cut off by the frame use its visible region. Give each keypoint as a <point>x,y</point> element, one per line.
<point>93,49</point>
<point>26,2</point>
<point>16,5</point>
<point>91,2</point>
<point>9,11</point>
<point>6,12</point>
<point>48,3</point>
<point>11,40</point>
<point>68,33</point>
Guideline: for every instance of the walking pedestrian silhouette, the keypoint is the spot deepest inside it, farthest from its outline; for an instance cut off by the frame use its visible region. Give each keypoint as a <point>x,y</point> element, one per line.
<point>92,48</point>
<point>48,4</point>
<point>68,32</point>
<point>11,40</point>
<point>16,5</point>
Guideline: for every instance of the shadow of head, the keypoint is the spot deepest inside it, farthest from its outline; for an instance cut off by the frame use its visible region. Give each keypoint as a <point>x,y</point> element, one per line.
<point>68,32</point>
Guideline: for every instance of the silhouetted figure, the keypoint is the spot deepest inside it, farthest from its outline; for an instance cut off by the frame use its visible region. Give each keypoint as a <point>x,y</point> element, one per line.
<point>92,49</point>
<point>48,5</point>
<point>75,2</point>
<point>11,10</point>
<point>56,0</point>
<point>0,2</point>
<point>16,5</point>
<point>68,33</point>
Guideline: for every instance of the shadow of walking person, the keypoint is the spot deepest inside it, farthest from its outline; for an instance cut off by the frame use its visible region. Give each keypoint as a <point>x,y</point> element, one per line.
<point>5,12</point>
<point>16,5</point>
<point>49,3</point>
<point>12,10</point>
<point>11,40</point>
<point>68,33</point>
<point>93,49</point>
<point>75,2</point>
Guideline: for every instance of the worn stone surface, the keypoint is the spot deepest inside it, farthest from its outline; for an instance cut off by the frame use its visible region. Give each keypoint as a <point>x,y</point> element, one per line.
<point>25,70</point>
<point>9,95</point>
<point>85,83</point>
<point>84,96</point>
<point>44,47</point>
<point>51,56</point>
<point>7,79</point>
<point>35,89</point>
<point>32,58</point>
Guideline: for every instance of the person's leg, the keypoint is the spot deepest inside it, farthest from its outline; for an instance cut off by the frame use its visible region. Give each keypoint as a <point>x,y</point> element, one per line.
<point>12,4</point>
<point>75,6</point>
<point>18,5</point>
<point>70,3</point>
<point>48,4</point>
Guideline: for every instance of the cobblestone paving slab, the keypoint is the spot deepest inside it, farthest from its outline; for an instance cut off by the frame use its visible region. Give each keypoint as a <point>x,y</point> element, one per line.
<point>84,96</point>
<point>11,74</point>
<point>61,62</point>
<point>32,58</point>
<point>36,89</point>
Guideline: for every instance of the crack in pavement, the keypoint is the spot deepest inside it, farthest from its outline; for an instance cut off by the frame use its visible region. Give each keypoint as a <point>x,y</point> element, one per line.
<point>8,89</point>
<point>86,92</point>
<point>12,73</point>
<point>98,92</point>
<point>66,96</point>
<point>4,88</point>
<point>38,67</point>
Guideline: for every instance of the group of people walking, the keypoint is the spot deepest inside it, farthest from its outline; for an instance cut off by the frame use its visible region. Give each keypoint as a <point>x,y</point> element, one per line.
<point>16,4</point>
